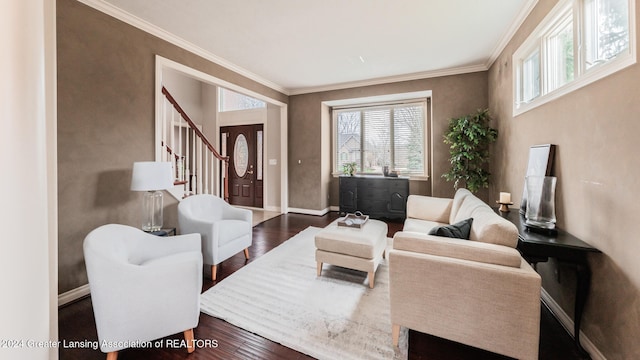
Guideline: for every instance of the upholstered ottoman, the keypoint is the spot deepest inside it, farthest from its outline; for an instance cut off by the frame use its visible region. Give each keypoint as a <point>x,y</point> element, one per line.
<point>358,249</point>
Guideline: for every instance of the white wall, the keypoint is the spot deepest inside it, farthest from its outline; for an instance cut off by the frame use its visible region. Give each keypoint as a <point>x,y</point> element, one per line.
<point>210,112</point>
<point>187,92</point>
<point>242,117</point>
<point>28,249</point>
<point>272,159</point>
<point>325,145</point>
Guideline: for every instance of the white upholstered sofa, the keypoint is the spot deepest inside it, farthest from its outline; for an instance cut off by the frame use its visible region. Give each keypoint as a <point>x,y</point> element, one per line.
<point>478,292</point>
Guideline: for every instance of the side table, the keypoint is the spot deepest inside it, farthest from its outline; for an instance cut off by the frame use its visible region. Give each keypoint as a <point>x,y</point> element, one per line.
<point>539,247</point>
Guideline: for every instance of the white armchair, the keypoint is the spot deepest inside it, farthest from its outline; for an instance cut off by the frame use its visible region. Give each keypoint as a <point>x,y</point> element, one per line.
<point>143,287</point>
<point>226,230</point>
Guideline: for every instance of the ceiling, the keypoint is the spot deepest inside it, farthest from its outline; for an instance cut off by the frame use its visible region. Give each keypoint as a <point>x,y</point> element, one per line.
<point>298,46</point>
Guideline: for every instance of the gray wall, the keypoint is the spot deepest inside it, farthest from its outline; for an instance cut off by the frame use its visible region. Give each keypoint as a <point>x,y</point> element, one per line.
<point>106,76</point>
<point>452,96</point>
<point>596,130</point>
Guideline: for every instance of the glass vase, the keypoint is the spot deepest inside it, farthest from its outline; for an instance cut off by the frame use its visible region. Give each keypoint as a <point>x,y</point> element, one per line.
<point>541,207</point>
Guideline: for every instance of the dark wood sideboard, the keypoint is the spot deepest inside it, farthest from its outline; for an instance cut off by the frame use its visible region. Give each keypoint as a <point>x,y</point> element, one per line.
<point>538,247</point>
<point>376,196</point>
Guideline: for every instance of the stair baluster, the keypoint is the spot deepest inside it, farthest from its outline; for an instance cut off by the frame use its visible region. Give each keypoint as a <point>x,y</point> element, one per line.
<point>194,158</point>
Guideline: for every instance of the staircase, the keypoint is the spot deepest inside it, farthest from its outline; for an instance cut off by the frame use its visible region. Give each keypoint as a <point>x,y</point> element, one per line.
<point>194,158</point>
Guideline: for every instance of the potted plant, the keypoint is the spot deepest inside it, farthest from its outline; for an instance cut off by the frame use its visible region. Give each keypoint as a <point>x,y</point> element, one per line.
<point>349,168</point>
<point>469,138</point>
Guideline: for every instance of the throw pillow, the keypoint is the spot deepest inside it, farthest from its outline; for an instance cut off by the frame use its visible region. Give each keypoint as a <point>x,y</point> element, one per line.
<point>459,230</point>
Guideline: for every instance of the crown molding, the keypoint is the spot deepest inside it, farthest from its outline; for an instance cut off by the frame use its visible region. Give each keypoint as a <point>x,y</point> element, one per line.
<point>515,25</point>
<point>391,79</point>
<point>145,26</point>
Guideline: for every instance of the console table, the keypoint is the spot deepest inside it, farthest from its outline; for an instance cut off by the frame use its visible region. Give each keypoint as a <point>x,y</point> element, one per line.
<point>538,247</point>
<point>376,196</point>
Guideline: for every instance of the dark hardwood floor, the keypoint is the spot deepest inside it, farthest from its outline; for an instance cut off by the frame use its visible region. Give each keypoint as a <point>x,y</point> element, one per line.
<point>77,326</point>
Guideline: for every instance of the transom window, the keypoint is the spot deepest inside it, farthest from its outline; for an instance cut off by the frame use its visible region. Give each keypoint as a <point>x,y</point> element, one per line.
<point>606,30</point>
<point>580,41</point>
<point>232,101</point>
<point>378,136</point>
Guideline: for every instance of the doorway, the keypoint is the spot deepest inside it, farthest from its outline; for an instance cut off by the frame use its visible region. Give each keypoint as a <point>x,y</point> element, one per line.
<point>244,145</point>
<point>275,196</point>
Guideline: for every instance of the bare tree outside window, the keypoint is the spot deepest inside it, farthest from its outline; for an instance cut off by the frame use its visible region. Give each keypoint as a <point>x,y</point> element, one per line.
<point>348,138</point>
<point>377,138</point>
<point>607,31</point>
<point>232,101</point>
<point>409,138</point>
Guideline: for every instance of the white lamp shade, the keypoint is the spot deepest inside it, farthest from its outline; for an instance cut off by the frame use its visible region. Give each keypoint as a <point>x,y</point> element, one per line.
<point>151,175</point>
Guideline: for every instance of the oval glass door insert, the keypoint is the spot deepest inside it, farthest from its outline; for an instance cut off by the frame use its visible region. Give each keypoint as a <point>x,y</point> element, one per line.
<point>241,155</point>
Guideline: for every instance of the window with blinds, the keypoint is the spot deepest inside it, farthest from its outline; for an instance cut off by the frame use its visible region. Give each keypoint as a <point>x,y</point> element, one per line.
<point>378,136</point>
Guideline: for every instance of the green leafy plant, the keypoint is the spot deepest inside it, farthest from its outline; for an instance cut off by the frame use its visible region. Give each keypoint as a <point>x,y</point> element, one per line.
<point>469,138</point>
<point>349,168</point>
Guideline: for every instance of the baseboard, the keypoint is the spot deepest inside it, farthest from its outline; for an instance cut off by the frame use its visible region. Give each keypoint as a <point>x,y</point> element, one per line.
<point>567,323</point>
<point>272,208</point>
<point>334,208</point>
<point>73,295</point>
<point>309,212</point>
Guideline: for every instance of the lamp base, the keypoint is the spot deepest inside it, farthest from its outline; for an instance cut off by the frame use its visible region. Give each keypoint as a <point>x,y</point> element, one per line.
<point>152,211</point>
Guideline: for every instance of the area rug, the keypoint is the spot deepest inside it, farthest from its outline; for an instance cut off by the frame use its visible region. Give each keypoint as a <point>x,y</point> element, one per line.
<point>336,316</point>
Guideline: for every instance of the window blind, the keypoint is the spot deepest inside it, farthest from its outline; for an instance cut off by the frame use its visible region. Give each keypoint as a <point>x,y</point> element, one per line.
<point>382,135</point>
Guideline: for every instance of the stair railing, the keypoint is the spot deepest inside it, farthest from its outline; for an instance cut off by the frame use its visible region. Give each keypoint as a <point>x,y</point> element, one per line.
<point>194,160</point>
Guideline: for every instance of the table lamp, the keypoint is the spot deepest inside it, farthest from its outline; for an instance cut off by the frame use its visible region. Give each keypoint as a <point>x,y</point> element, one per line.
<point>151,177</point>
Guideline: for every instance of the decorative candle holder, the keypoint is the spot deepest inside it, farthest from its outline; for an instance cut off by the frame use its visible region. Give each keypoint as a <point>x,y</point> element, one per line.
<point>504,206</point>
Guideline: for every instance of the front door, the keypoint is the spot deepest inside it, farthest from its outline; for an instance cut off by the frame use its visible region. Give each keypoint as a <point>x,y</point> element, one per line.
<point>244,146</point>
